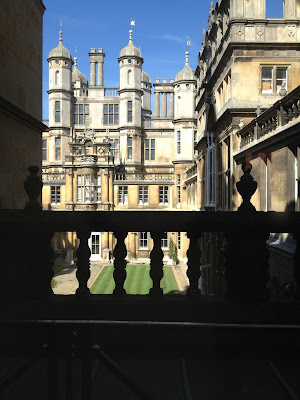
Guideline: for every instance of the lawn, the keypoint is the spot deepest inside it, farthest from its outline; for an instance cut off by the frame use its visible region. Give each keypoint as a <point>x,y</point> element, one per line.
<point>137,281</point>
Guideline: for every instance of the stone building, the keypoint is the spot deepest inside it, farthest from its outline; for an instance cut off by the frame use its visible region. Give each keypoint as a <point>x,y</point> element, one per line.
<point>20,96</point>
<point>247,63</point>
<point>103,150</point>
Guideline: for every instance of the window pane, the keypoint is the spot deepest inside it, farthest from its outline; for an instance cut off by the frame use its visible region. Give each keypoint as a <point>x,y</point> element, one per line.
<point>267,73</point>
<point>57,106</point>
<point>111,119</point>
<point>81,108</point>
<point>281,73</point>
<point>105,108</point>
<point>80,119</point>
<point>105,121</point>
<point>86,108</point>
<point>111,108</point>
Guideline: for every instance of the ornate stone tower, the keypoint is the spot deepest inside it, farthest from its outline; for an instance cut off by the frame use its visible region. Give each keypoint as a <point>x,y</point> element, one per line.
<point>184,119</point>
<point>130,63</point>
<point>60,87</point>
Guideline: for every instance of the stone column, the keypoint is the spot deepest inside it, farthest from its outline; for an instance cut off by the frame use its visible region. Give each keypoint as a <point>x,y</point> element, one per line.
<point>100,74</point>
<point>111,187</point>
<point>104,187</point>
<point>164,105</point>
<point>69,186</point>
<point>171,104</point>
<point>93,74</point>
<point>156,104</point>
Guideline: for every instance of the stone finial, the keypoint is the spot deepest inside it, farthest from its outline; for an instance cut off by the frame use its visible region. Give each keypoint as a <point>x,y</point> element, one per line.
<point>241,124</point>
<point>258,111</point>
<point>282,91</point>
<point>186,58</point>
<point>246,187</point>
<point>33,187</point>
<point>130,36</point>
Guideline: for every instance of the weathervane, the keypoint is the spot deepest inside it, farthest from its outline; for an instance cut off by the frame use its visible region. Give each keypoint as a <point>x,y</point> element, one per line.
<point>188,42</point>
<point>132,23</point>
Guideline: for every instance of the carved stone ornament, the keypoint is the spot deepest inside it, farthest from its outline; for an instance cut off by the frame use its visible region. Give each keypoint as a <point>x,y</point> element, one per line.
<point>33,187</point>
<point>246,188</point>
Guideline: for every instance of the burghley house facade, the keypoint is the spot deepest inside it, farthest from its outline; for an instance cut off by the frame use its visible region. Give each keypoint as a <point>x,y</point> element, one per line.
<point>106,150</point>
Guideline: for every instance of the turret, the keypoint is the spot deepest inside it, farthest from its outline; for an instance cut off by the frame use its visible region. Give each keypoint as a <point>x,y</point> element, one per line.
<point>60,86</point>
<point>184,119</point>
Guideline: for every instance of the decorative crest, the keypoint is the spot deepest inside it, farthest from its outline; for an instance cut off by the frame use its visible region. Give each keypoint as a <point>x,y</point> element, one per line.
<point>132,23</point>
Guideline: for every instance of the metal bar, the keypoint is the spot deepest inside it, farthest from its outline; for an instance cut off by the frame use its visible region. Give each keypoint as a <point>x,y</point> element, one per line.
<point>20,371</point>
<point>116,370</point>
<point>292,395</point>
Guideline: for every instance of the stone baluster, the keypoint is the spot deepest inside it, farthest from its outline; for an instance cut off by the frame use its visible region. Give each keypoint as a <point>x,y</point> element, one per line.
<point>246,254</point>
<point>120,253</point>
<point>83,254</point>
<point>274,123</point>
<point>156,264</point>
<point>290,114</point>
<point>163,105</point>
<point>285,117</point>
<point>295,111</point>
<point>171,104</point>
<point>33,187</point>
<point>296,258</point>
<point>298,107</point>
<point>156,104</point>
<point>193,271</point>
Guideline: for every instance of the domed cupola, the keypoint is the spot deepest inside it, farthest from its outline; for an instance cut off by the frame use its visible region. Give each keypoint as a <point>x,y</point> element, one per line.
<point>77,75</point>
<point>186,74</point>
<point>130,50</point>
<point>60,51</point>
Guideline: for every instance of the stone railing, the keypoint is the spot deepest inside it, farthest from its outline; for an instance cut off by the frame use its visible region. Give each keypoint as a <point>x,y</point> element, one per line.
<point>282,113</point>
<point>89,159</point>
<point>111,92</point>
<point>156,177</point>
<point>191,172</point>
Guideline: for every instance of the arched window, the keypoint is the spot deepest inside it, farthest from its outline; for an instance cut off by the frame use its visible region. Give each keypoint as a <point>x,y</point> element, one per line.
<point>56,77</point>
<point>129,74</point>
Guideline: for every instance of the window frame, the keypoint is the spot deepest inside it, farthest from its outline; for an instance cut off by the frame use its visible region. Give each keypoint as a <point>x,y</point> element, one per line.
<point>150,149</point>
<point>111,114</point>
<point>123,195</point>
<point>44,150</point>
<point>115,150</point>
<point>143,194</point>
<point>88,188</point>
<point>178,142</point>
<point>164,242</point>
<point>81,114</point>
<point>129,147</point>
<point>57,148</point>
<point>55,192</point>
<point>163,194</point>
<point>143,240</point>
<point>274,79</point>
<point>57,111</point>
<point>178,189</point>
<point>129,110</point>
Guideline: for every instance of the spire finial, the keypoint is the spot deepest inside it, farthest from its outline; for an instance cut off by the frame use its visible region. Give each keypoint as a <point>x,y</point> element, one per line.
<point>60,32</point>
<point>75,58</point>
<point>186,58</point>
<point>132,23</point>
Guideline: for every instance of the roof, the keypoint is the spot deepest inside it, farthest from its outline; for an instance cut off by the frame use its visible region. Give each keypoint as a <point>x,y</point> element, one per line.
<point>60,50</point>
<point>186,74</point>
<point>77,75</point>
<point>145,77</point>
<point>130,49</point>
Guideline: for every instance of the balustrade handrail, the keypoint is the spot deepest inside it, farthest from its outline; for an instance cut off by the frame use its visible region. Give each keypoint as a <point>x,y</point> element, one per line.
<point>138,221</point>
<point>289,99</point>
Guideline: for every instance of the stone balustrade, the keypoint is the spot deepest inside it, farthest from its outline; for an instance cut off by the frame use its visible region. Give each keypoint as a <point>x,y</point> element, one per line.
<point>111,92</point>
<point>282,113</point>
<point>139,177</point>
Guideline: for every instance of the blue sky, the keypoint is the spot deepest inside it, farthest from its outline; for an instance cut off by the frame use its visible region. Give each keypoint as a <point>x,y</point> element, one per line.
<point>160,31</point>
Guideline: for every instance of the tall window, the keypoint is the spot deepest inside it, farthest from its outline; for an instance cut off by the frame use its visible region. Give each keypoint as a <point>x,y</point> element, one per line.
<point>143,240</point>
<point>129,148</point>
<point>150,149</point>
<point>143,195</point>
<point>163,194</point>
<point>57,111</point>
<point>165,241</point>
<point>129,111</point>
<point>123,194</point>
<point>44,149</point>
<point>57,149</point>
<point>178,241</point>
<point>114,148</point>
<point>81,114</point>
<point>88,188</point>
<point>55,194</point>
<point>272,79</point>
<point>110,114</point>
<point>178,189</point>
<point>178,141</point>
<point>210,172</point>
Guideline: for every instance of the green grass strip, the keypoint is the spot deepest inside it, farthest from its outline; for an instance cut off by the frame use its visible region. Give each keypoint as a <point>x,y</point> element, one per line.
<point>138,280</point>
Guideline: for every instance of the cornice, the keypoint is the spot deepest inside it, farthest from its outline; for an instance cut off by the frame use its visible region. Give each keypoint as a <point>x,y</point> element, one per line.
<point>6,107</point>
<point>40,6</point>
